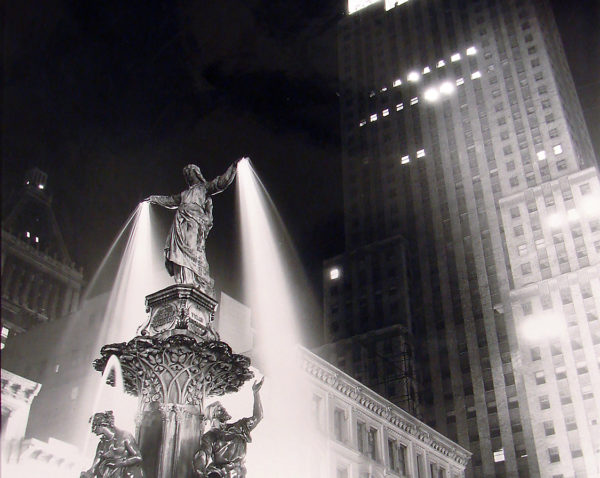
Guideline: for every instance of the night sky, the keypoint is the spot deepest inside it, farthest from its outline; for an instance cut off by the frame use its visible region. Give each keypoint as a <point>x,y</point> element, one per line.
<point>113,98</point>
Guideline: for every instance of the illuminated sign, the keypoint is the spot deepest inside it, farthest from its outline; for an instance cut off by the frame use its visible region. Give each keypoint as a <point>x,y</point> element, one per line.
<point>356,5</point>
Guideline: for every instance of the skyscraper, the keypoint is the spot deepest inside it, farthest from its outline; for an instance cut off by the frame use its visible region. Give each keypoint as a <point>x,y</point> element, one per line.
<point>462,132</point>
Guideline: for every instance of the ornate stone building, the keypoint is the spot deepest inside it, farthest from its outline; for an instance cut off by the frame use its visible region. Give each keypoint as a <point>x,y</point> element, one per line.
<point>39,279</point>
<point>367,436</point>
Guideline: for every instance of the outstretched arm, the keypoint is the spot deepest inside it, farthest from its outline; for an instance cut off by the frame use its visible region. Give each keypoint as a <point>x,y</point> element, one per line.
<point>170,202</point>
<point>257,413</point>
<point>220,183</point>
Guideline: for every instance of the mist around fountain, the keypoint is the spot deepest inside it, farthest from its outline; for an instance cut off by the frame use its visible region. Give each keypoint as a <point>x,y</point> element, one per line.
<point>285,441</point>
<point>139,273</point>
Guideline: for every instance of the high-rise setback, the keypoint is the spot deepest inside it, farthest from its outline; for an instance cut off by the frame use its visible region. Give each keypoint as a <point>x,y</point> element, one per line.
<point>462,133</point>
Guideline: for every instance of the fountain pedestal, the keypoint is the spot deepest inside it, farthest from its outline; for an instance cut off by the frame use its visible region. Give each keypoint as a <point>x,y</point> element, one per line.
<point>172,366</point>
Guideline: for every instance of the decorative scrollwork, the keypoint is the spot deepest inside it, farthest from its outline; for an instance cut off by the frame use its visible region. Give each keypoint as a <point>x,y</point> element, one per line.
<point>178,369</point>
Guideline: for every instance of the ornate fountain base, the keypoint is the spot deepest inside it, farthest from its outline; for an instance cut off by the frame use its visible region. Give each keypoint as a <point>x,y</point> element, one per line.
<point>172,366</point>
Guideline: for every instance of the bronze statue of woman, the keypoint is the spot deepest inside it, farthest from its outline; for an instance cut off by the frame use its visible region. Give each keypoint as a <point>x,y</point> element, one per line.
<point>185,248</point>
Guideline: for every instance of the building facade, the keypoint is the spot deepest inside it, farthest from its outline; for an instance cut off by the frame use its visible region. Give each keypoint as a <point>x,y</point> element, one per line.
<point>462,132</point>
<point>366,436</point>
<point>39,280</point>
<point>368,327</point>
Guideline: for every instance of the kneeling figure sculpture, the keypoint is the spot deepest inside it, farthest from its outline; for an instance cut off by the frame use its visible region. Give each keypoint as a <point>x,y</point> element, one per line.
<point>117,455</point>
<point>223,448</point>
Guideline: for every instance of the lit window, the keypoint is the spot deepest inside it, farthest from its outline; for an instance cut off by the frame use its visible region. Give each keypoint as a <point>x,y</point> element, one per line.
<point>522,249</point>
<point>28,234</point>
<point>37,239</point>
<point>561,372</point>
<point>557,149</point>
<point>413,76</point>
<point>426,70</point>
<point>399,106</point>
<point>541,155</point>
<point>431,94</point>
<point>420,153</point>
<point>414,101</point>
<point>334,273</point>
<point>397,82</point>
<point>27,183</point>
<point>446,88</point>
<point>499,455</point>
<point>40,186</point>
<point>440,64</point>
<point>362,123</point>
<point>385,112</point>
<point>540,378</point>
<point>460,81</point>
<point>384,89</point>
<point>471,50</point>
<point>373,117</point>
<point>475,75</point>
<point>455,57</point>
<point>405,159</point>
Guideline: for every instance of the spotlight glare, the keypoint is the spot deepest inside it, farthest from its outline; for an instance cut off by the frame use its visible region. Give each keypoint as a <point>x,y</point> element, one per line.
<point>547,326</point>
<point>413,77</point>
<point>573,215</point>
<point>591,206</point>
<point>446,88</point>
<point>432,94</point>
<point>554,220</point>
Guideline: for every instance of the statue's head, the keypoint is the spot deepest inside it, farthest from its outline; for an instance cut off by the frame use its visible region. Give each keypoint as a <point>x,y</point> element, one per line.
<point>103,420</point>
<point>219,413</point>
<point>193,175</point>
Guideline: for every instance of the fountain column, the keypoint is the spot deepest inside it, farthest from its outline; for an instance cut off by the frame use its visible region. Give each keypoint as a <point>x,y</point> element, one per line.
<point>175,362</point>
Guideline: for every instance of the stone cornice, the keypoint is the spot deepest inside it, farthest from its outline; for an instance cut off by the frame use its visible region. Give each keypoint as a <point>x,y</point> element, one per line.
<point>374,403</point>
<point>19,388</point>
<point>36,257</point>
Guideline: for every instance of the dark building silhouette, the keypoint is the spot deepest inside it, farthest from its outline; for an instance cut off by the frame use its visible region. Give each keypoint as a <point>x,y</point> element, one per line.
<point>462,132</point>
<point>39,279</point>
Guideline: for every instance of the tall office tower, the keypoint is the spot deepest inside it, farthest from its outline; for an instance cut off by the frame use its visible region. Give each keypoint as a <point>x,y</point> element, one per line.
<point>462,132</point>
